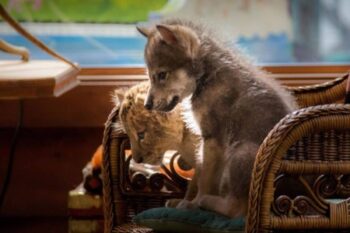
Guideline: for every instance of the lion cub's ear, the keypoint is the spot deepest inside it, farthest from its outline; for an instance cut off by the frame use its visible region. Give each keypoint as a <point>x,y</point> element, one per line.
<point>118,96</point>
<point>140,98</point>
<point>181,36</point>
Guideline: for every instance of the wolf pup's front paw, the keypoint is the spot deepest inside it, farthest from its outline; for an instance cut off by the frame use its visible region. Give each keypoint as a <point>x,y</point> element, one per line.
<point>180,204</point>
<point>185,204</point>
<point>172,203</point>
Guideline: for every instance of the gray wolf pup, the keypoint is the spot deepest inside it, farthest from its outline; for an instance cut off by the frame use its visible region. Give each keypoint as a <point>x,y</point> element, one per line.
<point>230,104</point>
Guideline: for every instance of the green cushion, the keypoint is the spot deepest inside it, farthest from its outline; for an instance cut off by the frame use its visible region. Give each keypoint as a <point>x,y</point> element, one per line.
<point>188,220</point>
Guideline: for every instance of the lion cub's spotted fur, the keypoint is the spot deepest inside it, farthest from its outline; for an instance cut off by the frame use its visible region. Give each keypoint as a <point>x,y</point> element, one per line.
<point>161,131</point>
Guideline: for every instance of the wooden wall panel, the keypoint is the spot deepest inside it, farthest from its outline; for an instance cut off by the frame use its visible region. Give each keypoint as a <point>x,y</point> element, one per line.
<point>89,104</point>
<point>59,137</point>
<point>34,225</point>
<point>85,106</point>
<point>48,163</point>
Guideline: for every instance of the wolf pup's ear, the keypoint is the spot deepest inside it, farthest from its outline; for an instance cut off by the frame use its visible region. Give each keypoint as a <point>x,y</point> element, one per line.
<point>118,96</point>
<point>144,31</point>
<point>181,36</point>
<point>167,33</point>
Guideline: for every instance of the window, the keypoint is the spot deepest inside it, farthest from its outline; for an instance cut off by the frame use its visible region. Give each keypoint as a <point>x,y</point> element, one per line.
<point>101,33</point>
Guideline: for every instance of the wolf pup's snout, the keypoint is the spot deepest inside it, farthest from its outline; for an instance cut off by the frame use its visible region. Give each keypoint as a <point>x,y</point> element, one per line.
<point>149,102</point>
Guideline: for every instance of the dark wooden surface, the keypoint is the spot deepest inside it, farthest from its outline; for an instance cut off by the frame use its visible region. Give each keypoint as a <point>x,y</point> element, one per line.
<point>48,163</point>
<point>34,225</point>
<point>85,106</point>
<point>59,137</point>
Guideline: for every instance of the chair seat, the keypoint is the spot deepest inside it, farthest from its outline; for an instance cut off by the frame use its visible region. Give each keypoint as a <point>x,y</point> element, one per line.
<point>188,220</point>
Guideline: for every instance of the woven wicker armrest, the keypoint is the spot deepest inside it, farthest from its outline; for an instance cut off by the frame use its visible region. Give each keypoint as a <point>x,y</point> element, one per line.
<point>324,93</point>
<point>311,146</point>
<point>108,177</point>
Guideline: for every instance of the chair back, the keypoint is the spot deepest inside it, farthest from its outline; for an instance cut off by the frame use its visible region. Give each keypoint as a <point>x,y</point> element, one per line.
<point>325,93</point>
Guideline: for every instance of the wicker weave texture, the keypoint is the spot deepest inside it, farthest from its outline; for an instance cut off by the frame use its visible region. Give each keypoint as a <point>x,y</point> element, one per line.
<point>270,161</point>
<point>325,93</point>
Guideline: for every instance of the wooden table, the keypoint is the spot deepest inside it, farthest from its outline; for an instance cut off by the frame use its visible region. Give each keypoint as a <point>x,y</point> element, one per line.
<point>37,78</point>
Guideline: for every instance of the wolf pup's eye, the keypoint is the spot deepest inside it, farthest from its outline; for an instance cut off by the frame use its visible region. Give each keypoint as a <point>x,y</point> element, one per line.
<point>141,136</point>
<point>161,76</point>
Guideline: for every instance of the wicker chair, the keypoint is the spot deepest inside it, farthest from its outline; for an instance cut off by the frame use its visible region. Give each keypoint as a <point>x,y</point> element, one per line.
<point>309,149</point>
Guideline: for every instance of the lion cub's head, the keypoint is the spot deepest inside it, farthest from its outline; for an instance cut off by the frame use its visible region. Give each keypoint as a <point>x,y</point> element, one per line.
<point>151,133</point>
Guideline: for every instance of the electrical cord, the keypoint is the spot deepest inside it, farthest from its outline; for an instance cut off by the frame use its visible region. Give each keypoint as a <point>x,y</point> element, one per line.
<point>13,145</point>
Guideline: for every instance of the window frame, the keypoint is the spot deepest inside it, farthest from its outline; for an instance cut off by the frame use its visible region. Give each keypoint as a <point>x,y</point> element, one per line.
<point>288,74</point>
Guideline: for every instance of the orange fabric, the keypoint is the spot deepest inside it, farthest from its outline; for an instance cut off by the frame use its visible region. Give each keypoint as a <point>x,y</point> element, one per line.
<point>96,159</point>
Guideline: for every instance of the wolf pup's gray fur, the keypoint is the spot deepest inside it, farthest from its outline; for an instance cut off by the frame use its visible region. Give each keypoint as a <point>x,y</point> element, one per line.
<point>231,105</point>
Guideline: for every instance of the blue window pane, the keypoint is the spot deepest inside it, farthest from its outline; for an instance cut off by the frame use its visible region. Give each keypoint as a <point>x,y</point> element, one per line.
<point>270,31</point>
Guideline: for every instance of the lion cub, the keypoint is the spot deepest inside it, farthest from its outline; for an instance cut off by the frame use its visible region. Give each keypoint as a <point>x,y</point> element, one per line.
<point>152,133</point>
